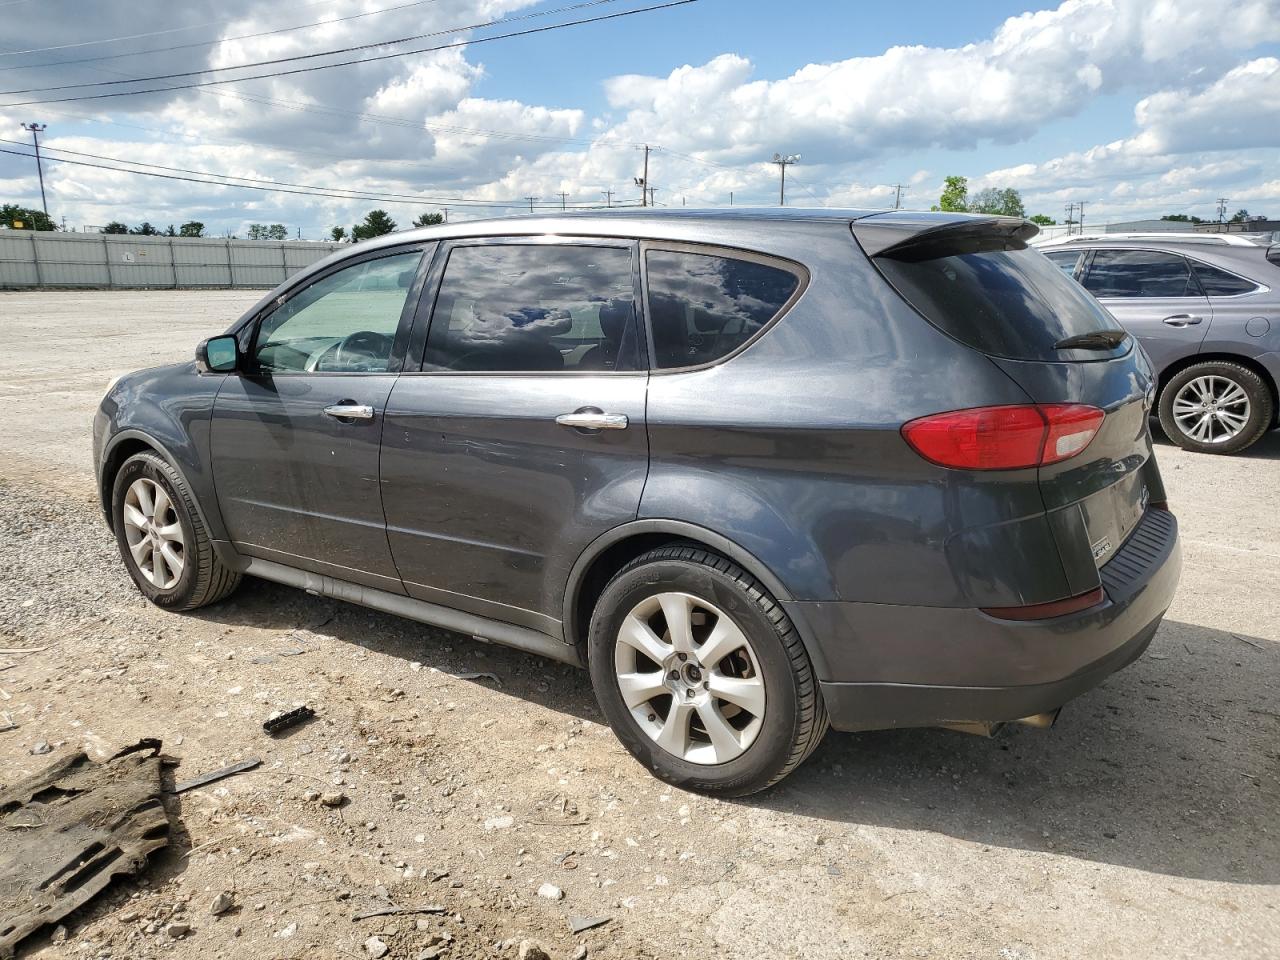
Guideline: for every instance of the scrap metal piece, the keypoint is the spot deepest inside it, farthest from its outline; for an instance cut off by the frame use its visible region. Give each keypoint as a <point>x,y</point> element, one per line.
<point>68,831</point>
<point>393,911</point>
<point>285,720</point>
<point>215,775</point>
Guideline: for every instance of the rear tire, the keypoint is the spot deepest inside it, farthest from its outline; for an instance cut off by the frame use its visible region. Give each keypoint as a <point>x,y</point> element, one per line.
<point>1216,407</point>
<point>728,705</point>
<point>162,540</point>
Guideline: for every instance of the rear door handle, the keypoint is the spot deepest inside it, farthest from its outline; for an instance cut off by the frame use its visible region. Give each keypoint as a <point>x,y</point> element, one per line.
<point>1183,320</point>
<point>593,420</point>
<point>349,411</point>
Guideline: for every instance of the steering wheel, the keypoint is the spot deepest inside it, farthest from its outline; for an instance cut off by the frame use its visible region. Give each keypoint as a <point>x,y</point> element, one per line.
<point>354,351</point>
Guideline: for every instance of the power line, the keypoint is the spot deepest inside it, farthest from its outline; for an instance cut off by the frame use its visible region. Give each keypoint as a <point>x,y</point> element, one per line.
<point>311,56</point>
<point>141,36</point>
<point>346,63</point>
<point>307,192</point>
<point>214,43</point>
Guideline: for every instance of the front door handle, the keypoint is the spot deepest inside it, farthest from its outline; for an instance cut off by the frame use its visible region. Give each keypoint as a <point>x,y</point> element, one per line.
<point>591,419</point>
<point>346,410</point>
<point>1183,320</point>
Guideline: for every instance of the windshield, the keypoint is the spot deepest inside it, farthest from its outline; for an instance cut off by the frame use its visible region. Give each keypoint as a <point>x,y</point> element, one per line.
<point>1013,303</point>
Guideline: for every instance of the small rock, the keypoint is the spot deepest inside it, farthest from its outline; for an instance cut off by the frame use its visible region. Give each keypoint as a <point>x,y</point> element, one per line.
<point>334,798</point>
<point>221,904</point>
<point>376,948</point>
<point>344,757</point>
<point>177,931</point>
<point>550,891</point>
<point>59,934</point>
<point>532,950</point>
<point>287,932</point>
<point>500,823</point>
<point>431,953</point>
<point>580,953</point>
<point>41,747</point>
<point>311,795</point>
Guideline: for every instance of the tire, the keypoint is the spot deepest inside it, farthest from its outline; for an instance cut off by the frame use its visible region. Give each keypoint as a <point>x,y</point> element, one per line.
<point>1226,428</point>
<point>754,748</point>
<point>202,578</point>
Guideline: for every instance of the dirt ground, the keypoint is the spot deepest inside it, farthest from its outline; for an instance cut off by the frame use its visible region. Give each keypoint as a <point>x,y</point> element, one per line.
<point>1144,825</point>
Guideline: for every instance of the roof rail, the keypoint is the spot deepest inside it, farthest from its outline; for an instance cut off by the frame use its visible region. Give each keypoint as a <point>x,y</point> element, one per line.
<point>1225,239</point>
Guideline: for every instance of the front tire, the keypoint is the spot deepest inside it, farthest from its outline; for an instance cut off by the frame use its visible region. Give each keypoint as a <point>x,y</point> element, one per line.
<point>701,674</point>
<point>162,539</point>
<point>1216,407</point>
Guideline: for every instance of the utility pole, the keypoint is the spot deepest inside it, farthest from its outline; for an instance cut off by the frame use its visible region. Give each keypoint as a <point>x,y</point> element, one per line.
<point>897,198</point>
<point>652,191</point>
<point>1081,206</point>
<point>643,181</point>
<point>608,197</point>
<point>563,198</point>
<point>531,199</point>
<point>783,163</point>
<point>731,198</point>
<point>1071,212</point>
<point>1222,206</point>
<point>36,129</point>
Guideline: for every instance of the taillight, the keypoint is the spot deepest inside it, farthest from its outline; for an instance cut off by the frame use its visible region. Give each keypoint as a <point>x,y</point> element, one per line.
<point>1004,438</point>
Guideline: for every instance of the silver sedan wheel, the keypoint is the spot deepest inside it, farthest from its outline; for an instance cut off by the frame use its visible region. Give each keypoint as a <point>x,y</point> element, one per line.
<point>690,678</point>
<point>154,533</point>
<point>1211,409</point>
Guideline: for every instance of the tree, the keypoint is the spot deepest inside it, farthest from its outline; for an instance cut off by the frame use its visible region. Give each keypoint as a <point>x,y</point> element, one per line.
<point>277,231</point>
<point>1043,220</point>
<point>192,228</point>
<point>11,213</point>
<point>993,200</point>
<point>429,220</point>
<point>1181,218</point>
<point>115,226</point>
<point>257,231</point>
<point>376,223</point>
<point>338,234</point>
<point>955,195</point>
<point>145,229</point>
<point>170,232</point>
<point>1242,216</point>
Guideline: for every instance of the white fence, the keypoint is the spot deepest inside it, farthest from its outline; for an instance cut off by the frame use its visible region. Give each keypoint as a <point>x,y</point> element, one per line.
<point>48,259</point>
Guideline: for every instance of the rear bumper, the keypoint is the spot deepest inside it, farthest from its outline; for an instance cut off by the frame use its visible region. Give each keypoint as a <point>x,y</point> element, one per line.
<point>882,665</point>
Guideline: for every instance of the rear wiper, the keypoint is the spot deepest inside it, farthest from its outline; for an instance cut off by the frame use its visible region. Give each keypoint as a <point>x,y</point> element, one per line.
<point>1097,340</point>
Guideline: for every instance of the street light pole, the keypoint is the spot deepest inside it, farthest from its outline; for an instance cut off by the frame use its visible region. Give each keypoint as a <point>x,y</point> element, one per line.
<point>783,163</point>
<point>37,129</point>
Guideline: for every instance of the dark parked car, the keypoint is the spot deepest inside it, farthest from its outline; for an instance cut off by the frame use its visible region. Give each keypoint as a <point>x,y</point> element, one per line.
<point>1206,307</point>
<point>759,471</point>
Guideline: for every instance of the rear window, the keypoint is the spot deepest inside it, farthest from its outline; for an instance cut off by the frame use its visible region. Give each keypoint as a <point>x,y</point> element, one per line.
<point>1014,303</point>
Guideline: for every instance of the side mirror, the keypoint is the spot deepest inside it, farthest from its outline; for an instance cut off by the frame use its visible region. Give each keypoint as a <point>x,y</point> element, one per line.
<point>217,355</point>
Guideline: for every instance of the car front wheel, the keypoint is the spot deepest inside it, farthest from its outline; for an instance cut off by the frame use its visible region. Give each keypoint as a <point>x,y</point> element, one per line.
<point>1216,407</point>
<point>162,539</point>
<point>701,674</point>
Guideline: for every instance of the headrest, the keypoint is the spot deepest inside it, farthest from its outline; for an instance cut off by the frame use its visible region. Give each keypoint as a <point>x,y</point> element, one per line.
<point>706,321</point>
<point>614,316</point>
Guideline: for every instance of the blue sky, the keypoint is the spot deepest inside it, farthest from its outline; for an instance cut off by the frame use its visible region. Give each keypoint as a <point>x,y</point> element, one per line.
<point>1138,108</point>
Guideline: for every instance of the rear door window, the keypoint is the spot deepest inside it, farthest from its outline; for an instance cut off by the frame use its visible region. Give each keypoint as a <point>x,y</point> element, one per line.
<point>1219,283</point>
<point>523,308</point>
<point>1139,273</point>
<point>702,307</point>
<point>1010,301</point>
<point>1066,260</point>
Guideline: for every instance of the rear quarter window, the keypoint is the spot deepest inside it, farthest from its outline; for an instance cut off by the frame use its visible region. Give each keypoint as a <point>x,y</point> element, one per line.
<point>1011,302</point>
<point>1220,283</point>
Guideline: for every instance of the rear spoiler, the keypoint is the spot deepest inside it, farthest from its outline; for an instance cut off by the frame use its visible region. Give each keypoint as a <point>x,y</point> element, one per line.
<point>923,236</point>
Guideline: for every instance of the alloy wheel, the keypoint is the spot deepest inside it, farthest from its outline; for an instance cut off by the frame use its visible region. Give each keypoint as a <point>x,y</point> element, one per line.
<point>690,678</point>
<point>1211,409</point>
<point>154,533</point>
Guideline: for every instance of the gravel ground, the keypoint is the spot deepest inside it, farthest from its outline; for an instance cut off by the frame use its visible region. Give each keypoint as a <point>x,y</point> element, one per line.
<point>1143,825</point>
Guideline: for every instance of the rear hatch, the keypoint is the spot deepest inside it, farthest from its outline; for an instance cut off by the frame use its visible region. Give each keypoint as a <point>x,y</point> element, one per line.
<point>977,280</point>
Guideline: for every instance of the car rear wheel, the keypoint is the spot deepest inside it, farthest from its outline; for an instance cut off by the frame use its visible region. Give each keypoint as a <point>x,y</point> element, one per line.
<point>162,539</point>
<point>1216,407</point>
<point>701,674</point>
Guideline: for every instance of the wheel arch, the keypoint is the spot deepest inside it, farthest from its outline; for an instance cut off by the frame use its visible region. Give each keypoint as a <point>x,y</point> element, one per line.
<point>611,551</point>
<point>126,444</point>
<point>1175,368</point>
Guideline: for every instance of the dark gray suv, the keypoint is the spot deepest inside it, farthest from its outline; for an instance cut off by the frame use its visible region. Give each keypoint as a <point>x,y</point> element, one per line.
<point>760,471</point>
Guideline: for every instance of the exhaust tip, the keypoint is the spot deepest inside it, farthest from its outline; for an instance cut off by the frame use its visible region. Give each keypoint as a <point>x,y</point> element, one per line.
<point>1041,721</point>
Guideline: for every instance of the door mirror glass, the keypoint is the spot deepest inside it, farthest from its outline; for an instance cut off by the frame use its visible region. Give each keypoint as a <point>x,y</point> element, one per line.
<point>217,355</point>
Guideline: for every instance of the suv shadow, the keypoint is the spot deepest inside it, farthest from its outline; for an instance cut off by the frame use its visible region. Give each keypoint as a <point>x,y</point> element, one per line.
<point>1169,767</point>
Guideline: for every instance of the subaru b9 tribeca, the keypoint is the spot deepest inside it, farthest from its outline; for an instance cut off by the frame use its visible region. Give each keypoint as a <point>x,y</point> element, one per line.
<point>760,472</point>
